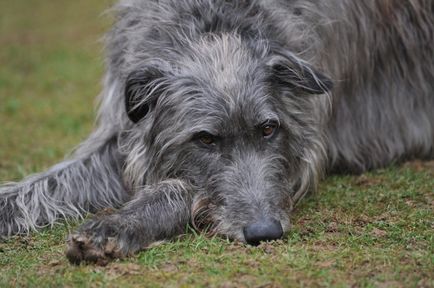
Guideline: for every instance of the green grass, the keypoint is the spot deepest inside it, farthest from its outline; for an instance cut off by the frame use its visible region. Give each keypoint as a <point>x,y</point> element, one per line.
<point>374,230</point>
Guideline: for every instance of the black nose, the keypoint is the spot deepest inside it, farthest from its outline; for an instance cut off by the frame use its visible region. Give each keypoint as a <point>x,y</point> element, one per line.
<point>263,230</point>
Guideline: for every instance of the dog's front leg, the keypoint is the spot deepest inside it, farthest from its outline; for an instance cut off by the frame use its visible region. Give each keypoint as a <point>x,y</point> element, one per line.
<point>157,213</point>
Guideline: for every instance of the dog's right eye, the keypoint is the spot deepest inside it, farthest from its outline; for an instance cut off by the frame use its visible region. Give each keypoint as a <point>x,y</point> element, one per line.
<point>206,138</point>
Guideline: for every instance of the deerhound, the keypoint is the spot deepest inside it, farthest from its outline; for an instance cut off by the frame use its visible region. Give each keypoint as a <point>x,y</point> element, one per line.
<point>223,114</point>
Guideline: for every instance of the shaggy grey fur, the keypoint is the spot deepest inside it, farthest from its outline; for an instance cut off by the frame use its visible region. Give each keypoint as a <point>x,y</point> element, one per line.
<point>217,113</point>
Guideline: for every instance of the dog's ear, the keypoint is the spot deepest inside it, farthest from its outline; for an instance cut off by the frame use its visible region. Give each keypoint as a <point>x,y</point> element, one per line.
<point>298,75</point>
<point>141,91</point>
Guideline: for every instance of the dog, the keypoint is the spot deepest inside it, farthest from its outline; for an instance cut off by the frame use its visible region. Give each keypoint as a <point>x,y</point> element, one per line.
<point>224,114</point>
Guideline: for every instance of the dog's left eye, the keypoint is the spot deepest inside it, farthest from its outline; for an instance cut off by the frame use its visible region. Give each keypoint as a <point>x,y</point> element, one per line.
<point>269,128</point>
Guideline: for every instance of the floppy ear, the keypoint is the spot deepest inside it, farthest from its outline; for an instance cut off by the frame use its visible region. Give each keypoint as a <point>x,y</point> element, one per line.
<point>294,73</point>
<point>141,91</point>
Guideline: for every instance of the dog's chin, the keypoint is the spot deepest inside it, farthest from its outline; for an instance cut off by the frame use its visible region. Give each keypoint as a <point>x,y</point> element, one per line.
<point>286,226</point>
<point>228,232</point>
<point>237,237</point>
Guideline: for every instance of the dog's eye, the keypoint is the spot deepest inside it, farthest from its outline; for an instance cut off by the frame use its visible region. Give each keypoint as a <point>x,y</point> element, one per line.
<point>206,138</point>
<point>269,128</point>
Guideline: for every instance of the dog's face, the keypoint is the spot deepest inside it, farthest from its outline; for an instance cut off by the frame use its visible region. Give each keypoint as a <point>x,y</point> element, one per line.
<point>234,123</point>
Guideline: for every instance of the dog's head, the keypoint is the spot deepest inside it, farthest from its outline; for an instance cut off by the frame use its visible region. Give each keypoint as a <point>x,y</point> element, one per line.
<point>235,119</point>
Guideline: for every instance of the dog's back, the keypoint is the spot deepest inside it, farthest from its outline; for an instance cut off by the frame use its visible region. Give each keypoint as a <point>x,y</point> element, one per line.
<point>380,56</point>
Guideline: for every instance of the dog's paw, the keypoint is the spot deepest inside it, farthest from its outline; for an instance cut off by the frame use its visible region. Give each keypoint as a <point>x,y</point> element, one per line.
<point>82,248</point>
<point>93,245</point>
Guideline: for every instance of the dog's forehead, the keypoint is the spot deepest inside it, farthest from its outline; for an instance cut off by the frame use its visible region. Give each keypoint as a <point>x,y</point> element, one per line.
<point>224,61</point>
<point>231,84</point>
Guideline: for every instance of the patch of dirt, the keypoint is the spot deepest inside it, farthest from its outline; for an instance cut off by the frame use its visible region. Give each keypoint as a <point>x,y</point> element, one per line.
<point>19,242</point>
<point>425,283</point>
<point>270,247</point>
<point>420,166</point>
<point>54,263</point>
<point>389,284</point>
<point>321,246</point>
<point>51,264</point>
<point>246,281</point>
<point>386,216</point>
<point>170,267</point>
<point>332,227</point>
<point>361,220</point>
<point>326,264</point>
<point>368,181</point>
<point>304,227</point>
<point>378,232</point>
<point>115,270</point>
<point>235,246</point>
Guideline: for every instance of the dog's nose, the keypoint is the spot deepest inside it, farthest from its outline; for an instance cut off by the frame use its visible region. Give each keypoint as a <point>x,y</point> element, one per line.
<point>263,230</point>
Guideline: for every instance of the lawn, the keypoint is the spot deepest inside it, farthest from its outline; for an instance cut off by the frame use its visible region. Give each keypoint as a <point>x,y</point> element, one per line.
<point>373,230</point>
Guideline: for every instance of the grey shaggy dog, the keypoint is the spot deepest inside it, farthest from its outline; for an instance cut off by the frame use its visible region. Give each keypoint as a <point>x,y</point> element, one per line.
<point>221,114</point>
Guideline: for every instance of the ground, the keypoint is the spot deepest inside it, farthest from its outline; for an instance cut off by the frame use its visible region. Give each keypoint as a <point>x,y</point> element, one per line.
<point>373,230</point>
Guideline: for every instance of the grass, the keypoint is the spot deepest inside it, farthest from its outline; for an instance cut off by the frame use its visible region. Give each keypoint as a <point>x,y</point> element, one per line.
<point>374,230</point>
